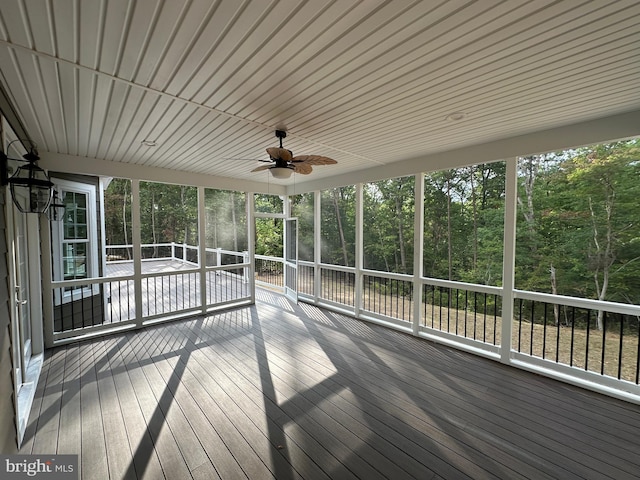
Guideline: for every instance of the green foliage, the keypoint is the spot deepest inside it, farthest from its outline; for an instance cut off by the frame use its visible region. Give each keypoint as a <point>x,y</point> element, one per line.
<point>463,224</point>
<point>302,209</point>
<point>168,213</point>
<point>226,220</point>
<point>584,223</point>
<point>117,206</point>
<point>338,226</point>
<point>577,226</point>
<point>388,226</point>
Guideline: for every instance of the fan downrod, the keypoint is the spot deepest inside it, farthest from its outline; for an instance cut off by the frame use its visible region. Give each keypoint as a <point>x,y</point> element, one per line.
<point>281,134</point>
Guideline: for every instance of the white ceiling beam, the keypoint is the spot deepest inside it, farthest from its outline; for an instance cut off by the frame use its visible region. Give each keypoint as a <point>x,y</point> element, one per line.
<point>606,129</point>
<point>57,162</point>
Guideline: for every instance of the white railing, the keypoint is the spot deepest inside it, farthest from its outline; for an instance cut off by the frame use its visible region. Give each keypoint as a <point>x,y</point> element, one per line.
<point>583,341</point>
<point>86,307</point>
<point>553,334</point>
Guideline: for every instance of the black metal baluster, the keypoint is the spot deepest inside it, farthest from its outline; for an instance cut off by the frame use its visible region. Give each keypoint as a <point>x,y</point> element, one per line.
<point>532,322</point>
<point>475,314</point>
<point>519,325</point>
<point>620,345</point>
<point>604,338</point>
<point>573,328</point>
<point>439,308</point>
<point>457,309</point>
<point>586,354</point>
<point>466,308</point>
<point>557,320</point>
<point>449,310</point>
<point>484,319</point>
<point>544,329</point>
<point>83,316</point>
<point>495,317</point>
<point>638,353</point>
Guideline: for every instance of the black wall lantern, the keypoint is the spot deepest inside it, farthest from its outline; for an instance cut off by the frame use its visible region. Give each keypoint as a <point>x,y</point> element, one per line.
<point>30,186</point>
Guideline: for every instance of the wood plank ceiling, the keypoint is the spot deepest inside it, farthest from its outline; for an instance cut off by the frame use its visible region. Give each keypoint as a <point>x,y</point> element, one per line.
<point>367,82</point>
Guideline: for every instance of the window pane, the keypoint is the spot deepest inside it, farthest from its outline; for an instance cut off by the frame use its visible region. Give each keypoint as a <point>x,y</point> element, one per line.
<point>388,228</point>
<point>302,209</point>
<point>225,226</point>
<point>75,216</point>
<point>338,228</point>
<point>81,200</point>
<point>464,224</point>
<point>577,226</point>
<point>268,203</point>
<point>74,260</point>
<point>81,216</point>
<point>169,223</point>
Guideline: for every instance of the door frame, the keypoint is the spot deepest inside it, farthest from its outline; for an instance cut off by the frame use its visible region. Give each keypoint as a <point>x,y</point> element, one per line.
<point>290,257</point>
<point>25,371</point>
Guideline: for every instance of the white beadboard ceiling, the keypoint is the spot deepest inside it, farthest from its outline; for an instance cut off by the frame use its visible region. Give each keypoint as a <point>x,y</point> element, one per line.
<point>369,83</point>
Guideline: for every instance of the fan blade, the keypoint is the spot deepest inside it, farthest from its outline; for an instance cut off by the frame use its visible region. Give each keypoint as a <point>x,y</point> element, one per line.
<point>261,167</point>
<point>314,160</point>
<point>281,153</point>
<point>303,168</point>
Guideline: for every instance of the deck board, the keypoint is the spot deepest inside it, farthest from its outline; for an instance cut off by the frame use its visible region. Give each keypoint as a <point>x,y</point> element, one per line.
<point>286,391</point>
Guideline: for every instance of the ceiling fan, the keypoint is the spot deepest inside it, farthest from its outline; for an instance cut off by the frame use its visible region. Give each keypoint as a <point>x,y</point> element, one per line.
<point>282,162</point>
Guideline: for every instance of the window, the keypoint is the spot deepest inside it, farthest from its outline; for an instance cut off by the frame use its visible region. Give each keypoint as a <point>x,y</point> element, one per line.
<point>75,238</point>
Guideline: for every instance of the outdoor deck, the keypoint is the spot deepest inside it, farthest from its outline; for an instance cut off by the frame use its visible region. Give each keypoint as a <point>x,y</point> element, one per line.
<point>278,390</point>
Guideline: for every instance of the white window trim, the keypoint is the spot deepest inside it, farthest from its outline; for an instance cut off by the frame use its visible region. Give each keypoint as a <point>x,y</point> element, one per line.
<point>57,238</point>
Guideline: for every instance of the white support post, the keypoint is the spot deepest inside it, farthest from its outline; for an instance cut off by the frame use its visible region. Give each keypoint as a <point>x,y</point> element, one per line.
<point>137,250</point>
<point>202,249</point>
<point>418,251</point>
<point>251,229</point>
<point>509,257</point>
<point>359,260</point>
<point>47,290</point>
<point>317,242</point>
<point>218,256</point>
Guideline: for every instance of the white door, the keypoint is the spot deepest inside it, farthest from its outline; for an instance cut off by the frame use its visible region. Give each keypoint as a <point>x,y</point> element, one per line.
<point>291,258</point>
<point>19,277</point>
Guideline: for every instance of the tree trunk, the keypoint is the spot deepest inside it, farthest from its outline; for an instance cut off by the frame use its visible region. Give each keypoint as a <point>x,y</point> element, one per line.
<point>604,256</point>
<point>343,243</point>
<point>554,290</point>
<point>531,165</point>
<point>403,257</point>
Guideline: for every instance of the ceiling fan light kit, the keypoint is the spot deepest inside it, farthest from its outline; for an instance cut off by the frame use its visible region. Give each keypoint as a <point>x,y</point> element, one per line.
<point>281,172</point>
<point>283,163</point>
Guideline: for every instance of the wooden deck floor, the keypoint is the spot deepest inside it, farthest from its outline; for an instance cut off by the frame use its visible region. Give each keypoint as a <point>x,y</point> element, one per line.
<point>288,391</point>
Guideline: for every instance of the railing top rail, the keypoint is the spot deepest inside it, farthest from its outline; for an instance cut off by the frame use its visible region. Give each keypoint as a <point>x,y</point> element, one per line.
<point>339,268</point>
<point>269,257</point>
<point>178,244</point>
<point>82,282</point>
<point>472,287</point>
<point>588,303</point>
<point>391,275</point>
